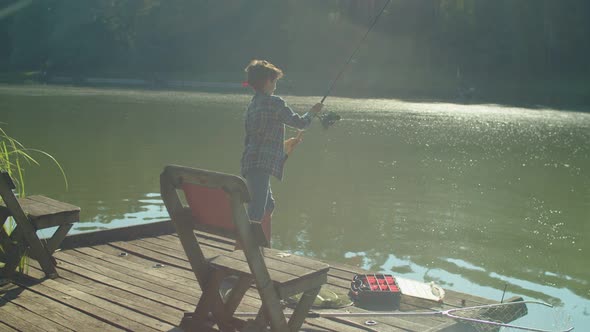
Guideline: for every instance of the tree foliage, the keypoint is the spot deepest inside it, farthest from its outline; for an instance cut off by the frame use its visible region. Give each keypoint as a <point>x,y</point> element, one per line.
<point>466,40</point>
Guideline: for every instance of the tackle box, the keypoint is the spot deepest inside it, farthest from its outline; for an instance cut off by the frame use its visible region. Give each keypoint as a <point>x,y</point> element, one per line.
<point>375,290</point>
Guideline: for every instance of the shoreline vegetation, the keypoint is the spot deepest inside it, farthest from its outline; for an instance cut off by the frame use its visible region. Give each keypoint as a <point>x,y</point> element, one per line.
<point>532,53</point>
<point>538,94</point>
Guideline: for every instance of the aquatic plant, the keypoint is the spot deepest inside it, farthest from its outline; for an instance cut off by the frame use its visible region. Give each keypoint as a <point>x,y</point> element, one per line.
<point>14,156</point>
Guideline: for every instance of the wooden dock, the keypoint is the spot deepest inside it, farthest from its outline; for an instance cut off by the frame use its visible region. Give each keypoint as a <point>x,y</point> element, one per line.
<point>139,279</point>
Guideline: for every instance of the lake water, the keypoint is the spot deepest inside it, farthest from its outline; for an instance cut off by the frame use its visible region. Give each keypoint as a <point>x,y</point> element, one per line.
<point>477,198</point>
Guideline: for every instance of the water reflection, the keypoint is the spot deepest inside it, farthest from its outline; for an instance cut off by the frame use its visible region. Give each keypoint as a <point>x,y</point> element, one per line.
<point>474,197</point>
<point>150,209</point>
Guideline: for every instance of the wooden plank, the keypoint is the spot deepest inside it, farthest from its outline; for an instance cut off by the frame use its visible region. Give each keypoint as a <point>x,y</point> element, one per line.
<point>59,313</point>
<point>330,325</point>
<point>148,281</point>
<point>79,279</point>
<point>145,267</point>
<point>130,257</point>
<point>181,305</point>
<point>189,284</point>
<point>211,240</point>
<point>6,328</point>
<point>118,234</point>
<point>185,264</point>
<point>11,318</point>
<point>215,242</point>
<point>36,206</point>
<point>55,220</point>
<point>58,205</point>
<point>414,323</point>
<point>128,276</point>
<point>132,301</point>
<point>45,212</point>
<point>242,266</point>
<point>174,253</point>
<point>284,269</point>
<point>273,254</point>
<point>145,272</point>
<point>360,325</point>
<point>96,307</point>
<point>27,320</point>
<point>133,248</point>
<point>294,265</point>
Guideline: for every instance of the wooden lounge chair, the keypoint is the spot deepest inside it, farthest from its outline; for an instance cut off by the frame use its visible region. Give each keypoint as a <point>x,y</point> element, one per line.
<point>31,214</point>
<point>215,204</point>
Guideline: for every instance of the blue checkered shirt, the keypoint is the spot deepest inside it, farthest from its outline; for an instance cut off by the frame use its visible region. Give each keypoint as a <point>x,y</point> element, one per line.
<point>265,121</point>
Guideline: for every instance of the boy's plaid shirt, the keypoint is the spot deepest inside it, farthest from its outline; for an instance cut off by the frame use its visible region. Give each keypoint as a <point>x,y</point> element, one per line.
<point>265,121</point>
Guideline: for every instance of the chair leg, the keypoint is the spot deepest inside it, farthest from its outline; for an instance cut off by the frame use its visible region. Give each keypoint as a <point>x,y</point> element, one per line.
<point>55,241</point>
<point>37,250</point>
<point>261,318</point>
<point>212,307</point>
<point>11,254</point>
<point>209,296</point>
<point>271,310</point>
<point>13,251</point>
<point>302,309</point>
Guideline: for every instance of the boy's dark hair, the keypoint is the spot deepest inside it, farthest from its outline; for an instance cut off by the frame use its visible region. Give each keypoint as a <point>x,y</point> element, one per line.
<point>259,71</point>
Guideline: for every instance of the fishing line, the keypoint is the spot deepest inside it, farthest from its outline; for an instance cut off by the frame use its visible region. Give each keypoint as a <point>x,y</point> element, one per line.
<point>355,51</point>
<point>11,9</point>
<point>329,118</point>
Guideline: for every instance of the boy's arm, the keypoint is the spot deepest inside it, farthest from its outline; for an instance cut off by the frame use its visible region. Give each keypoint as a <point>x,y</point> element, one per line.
<point>292,119</point>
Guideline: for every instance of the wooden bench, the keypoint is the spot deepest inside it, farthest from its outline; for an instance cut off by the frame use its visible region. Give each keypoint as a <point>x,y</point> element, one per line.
<point>31,214</point>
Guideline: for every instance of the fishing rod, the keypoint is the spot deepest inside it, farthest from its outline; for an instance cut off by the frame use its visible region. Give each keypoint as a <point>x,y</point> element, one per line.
<point>330,118</point>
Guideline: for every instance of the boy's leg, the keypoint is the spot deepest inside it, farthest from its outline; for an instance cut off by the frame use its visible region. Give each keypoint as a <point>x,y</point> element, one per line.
<point>259,186</point>
<point>258,183</point>
<point>266,226</point>
<point>266,219</point>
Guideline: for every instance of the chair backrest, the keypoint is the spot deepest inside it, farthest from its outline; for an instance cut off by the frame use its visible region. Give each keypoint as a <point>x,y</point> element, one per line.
<point>215,204</point>
<point>208,196</point>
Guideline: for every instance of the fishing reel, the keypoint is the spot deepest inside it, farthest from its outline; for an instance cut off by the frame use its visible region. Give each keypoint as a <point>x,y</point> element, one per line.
<point>328,119</point>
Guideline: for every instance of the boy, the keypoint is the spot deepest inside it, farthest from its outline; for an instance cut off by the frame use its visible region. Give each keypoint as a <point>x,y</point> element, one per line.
<point>264,145</point>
